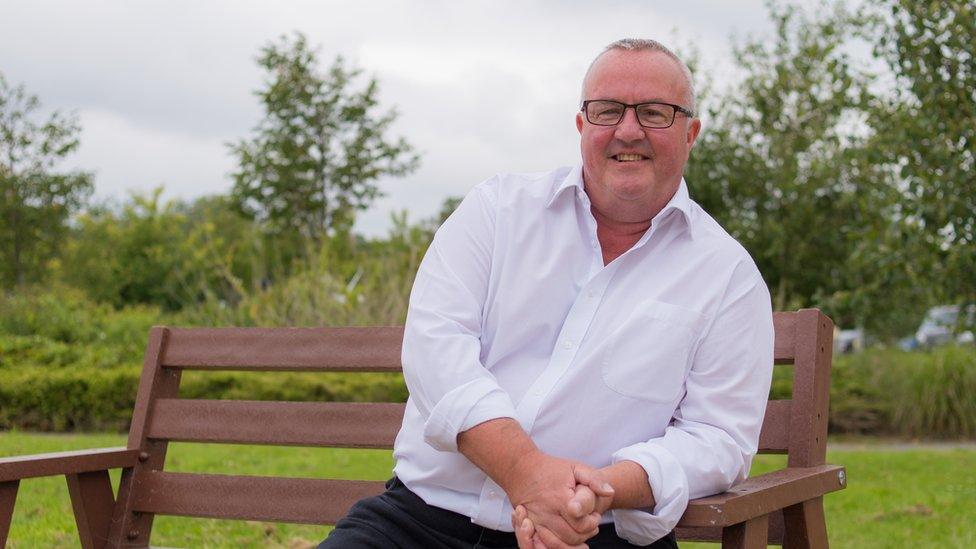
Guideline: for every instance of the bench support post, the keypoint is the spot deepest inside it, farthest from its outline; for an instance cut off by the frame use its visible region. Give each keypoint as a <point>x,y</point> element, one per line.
<point>92,501</point>
<point>8,495</point>
<point>130,528</point>
<point>750,534</point>
<point>805,527</point>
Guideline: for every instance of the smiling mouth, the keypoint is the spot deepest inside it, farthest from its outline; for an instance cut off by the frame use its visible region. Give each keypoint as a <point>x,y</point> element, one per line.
<point>628,157</point>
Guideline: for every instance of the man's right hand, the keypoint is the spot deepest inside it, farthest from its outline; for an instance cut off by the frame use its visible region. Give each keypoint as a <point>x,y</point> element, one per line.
<point>592,496</point>
<point>543,484</point>
<point>547,488</point>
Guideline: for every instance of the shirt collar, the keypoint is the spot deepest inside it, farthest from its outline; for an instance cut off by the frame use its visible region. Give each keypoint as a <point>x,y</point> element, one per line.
<point>681,200</point>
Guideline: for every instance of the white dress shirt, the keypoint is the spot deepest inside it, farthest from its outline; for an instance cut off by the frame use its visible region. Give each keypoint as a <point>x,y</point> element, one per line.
<point>662,357</point>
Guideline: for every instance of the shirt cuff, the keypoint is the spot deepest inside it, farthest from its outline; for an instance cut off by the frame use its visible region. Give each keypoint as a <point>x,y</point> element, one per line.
<point>464,407</point>
<point>669,485</point>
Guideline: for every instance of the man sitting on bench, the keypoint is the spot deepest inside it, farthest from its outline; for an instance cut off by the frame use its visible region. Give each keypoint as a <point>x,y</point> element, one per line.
<point>585,349</point>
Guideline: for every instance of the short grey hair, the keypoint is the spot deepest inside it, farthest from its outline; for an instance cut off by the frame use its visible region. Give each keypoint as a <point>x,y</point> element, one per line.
<point>646,44</point>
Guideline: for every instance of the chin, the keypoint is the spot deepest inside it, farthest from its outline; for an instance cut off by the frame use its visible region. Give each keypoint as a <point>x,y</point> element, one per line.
<point>630,190</point>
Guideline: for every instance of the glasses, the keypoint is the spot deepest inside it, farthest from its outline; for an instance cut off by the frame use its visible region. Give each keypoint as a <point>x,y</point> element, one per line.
<point>603,112</point>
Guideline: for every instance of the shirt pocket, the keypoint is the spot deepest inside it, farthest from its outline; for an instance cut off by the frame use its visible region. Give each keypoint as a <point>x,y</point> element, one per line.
<point>648,355</point>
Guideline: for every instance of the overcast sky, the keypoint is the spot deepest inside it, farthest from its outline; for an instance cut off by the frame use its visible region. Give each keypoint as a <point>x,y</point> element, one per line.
<point>482,87</point>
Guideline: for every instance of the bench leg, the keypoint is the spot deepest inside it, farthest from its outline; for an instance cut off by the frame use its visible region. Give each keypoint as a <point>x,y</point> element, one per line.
<point>750,534</point>
<point>805,527</point>
<point>92,500</point>
<point>8,495</point>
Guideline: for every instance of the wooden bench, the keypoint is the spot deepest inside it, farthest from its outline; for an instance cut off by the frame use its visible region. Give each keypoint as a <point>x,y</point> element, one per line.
<point>785,505</point>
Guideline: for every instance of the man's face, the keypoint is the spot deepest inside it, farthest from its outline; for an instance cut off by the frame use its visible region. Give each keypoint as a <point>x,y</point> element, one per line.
<point>648,183</point>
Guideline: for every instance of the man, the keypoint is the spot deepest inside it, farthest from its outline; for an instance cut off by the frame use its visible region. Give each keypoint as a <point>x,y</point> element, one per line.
<point>587,345</point>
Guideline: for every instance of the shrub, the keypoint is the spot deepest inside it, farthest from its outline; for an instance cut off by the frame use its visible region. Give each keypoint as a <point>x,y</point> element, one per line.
<point>926,394</point>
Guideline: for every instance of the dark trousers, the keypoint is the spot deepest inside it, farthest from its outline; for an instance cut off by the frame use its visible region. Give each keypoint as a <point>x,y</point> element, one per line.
<point>398,518</point>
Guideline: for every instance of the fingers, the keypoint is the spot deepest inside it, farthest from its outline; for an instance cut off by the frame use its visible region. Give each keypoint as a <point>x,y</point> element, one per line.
<point>602,490</point>
<point>524,534</point>
<point>588,477</point>
<point>582,503</point>
<point>552,541</point>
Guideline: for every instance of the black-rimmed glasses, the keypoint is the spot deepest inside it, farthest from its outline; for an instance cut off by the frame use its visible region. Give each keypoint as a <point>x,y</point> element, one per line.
<point>604,112</point>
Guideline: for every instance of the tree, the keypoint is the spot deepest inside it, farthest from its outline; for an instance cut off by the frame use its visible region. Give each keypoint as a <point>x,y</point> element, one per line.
<point>316,156</point>
<point>36,201</point>
<point>926,130</point>
<point>781,167</point>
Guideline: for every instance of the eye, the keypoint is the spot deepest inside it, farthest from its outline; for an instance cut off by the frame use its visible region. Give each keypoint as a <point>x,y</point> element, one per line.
<point>653,112</point>
<point>608,111</point>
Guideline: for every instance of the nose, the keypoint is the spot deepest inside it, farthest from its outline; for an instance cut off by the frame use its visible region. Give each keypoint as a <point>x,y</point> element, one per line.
<point>629,129</point>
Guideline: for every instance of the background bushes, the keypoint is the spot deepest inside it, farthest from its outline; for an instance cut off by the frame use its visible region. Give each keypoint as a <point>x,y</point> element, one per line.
<point>83,376</point>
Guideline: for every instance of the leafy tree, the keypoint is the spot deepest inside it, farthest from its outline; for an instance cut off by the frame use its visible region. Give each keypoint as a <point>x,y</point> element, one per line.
<point>316,156</point>
<point>926,130</point>
<point>35,199</point>
<point>170,254</point>
<point>780,167</point>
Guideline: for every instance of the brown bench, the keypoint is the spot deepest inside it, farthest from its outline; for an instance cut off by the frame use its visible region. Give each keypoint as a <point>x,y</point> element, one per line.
<point>786,505</point>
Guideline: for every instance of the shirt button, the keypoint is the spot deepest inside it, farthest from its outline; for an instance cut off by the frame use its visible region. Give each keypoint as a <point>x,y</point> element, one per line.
<point>591,294</point>
<point>568,344</point>
<point>492,494</point>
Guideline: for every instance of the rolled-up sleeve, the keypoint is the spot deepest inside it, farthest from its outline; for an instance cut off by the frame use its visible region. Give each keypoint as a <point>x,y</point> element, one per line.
<point>442,338</point>
<point>714,435</point>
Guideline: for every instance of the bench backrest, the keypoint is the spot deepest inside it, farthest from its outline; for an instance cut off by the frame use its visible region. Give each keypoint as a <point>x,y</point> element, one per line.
<point>797,427</point>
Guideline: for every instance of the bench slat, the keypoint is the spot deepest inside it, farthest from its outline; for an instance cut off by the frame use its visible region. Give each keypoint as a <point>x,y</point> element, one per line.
<point>774,535</point>
<point>285,349</point>
<point>333,424</point>
<point>64,463</point>
<point>775,435</point>
<point>297,500</point>
<point>763,494</point>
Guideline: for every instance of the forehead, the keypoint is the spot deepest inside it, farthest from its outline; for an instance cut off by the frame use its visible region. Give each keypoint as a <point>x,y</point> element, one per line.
<point>636,76</point>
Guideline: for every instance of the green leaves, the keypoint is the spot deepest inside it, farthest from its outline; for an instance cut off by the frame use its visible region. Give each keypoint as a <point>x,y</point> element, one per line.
<point>316,156</point>
<point>779,166</point>
<point>854,191</point>
<point>35,200</point>
<point>927,129</point>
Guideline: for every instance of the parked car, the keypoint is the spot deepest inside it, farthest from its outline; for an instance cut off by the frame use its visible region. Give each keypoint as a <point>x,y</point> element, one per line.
<point>848,341</point>
<point>939,326</point>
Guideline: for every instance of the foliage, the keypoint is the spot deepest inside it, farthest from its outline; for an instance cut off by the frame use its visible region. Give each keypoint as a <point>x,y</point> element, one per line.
<point>36,201</point>
<point>67,316</point>
<point>781,167</point>
<point>927,129</point>
<point>344,282</point>
<point>315,157</point>
<point>170,254</point>
<point>909,394</point>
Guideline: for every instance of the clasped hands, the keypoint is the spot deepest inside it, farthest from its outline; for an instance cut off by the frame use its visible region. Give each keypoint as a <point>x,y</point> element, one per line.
<point>557,502</point>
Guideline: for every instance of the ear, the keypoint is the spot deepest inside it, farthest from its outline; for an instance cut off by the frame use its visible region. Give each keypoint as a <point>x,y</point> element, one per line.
<point>694,127</point>
<point>579,122</point>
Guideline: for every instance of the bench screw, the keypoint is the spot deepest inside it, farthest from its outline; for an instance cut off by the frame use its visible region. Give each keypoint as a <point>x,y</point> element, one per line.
<point>133,534</point>
<point>841,477</point>
<point>143,456</point>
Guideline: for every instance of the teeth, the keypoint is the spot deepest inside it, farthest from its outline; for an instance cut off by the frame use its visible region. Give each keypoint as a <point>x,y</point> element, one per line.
<point>629,157</point>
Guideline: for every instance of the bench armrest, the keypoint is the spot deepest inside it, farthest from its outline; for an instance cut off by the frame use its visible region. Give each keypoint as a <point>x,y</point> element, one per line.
<point>761,495</point>
<point>66,463</point>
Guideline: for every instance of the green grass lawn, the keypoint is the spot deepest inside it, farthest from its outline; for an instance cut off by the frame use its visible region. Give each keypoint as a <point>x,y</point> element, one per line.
<point>896,497</point>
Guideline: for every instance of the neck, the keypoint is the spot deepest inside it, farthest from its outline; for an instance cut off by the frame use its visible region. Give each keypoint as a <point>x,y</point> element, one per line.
<point>617,236</point>
<point>620,228</point>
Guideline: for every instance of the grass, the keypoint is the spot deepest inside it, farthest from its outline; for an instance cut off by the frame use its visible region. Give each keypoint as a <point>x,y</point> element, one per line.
<point>896,497</point>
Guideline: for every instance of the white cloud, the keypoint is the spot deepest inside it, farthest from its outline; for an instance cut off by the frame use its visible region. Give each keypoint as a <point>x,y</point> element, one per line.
<point>128,158</point>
